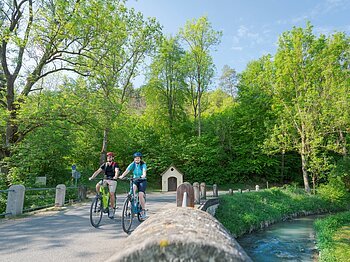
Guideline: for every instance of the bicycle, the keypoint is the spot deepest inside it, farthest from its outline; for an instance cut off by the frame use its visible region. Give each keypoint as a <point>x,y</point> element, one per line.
<point>131,206</point>
<point>100,204</point>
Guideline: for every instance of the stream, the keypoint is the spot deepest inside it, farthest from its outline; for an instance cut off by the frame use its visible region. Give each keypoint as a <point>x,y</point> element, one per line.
<point>292,240</point>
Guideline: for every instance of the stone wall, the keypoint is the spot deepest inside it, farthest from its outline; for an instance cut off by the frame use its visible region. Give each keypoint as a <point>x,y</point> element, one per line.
<point>180,234</point>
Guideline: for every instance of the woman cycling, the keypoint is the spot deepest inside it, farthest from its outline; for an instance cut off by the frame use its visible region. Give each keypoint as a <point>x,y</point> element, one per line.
<point>139,169</point>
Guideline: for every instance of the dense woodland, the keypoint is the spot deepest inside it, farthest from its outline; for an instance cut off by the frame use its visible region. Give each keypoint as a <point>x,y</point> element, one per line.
<point>67,97</point>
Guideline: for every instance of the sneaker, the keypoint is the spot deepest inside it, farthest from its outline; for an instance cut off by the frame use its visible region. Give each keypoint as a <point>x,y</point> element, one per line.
<point>111,213</point>
<point>143,214</point>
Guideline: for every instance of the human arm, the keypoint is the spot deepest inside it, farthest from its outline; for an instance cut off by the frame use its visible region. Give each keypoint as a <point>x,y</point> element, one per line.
<point>96,173</point>
<point>116,172</point>
<point>124,174</point>
<point>144,171</point>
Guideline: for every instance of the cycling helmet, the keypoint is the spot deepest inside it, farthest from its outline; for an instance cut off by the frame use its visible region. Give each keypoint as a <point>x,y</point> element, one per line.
<point>137,154</point>
<point>110,154</point>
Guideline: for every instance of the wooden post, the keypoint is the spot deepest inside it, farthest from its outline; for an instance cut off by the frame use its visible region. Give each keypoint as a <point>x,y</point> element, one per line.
<point>197,199</point>
<point>203,191</point>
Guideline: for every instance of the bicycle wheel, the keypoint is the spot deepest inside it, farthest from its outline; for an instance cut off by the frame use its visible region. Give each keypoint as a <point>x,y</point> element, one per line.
<point>96,212</point>
<point>139,209</point>
<point>127,215</point>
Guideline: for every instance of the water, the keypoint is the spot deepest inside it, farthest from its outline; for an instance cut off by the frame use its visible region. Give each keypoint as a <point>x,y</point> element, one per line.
<point>286,241</point>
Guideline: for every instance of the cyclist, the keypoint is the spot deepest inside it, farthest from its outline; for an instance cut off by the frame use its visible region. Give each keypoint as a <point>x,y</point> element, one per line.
<point>111,170</point>
<point>139,169</point>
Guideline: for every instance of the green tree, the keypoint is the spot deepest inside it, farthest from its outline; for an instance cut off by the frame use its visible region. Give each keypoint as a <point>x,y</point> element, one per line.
<point>301,94</point>
<point>228,81</point>
<point>200,38</point>
<point>165,91</point>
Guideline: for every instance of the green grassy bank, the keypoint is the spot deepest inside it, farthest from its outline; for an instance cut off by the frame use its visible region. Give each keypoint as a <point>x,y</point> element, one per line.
<point>333,237</point>
<point>243,213</point>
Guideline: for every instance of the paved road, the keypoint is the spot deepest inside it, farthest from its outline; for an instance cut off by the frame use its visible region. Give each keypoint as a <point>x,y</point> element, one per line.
<point>66,235</point>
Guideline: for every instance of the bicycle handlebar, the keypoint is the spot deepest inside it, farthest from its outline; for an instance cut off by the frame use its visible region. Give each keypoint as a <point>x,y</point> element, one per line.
<point>103,179</point>
<point>133,179</point>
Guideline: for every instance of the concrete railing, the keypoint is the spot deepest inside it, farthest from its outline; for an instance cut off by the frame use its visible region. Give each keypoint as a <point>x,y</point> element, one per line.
<point>16,194</point>
<point>180,234</point>
<point>183,233</point>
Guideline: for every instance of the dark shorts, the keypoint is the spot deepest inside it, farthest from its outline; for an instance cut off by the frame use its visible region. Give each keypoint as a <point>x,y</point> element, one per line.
<point>141,185</point>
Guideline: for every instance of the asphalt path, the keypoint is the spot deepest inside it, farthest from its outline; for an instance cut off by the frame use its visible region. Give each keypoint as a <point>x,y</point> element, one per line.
<point>67,235</point>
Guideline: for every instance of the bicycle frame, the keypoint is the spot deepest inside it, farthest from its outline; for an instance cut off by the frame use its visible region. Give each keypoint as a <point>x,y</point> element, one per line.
<point>136,207</point>
<point>104,190</point>
<point>100,205</point>
<point>131,207</point>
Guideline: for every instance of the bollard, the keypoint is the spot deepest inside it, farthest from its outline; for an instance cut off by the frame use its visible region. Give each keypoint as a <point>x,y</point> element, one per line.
<point>257,188</point>
<point>15,200</point>
<point>197,199</point>
<point>240,191</point>
<point>180,194</point>
<point>267,184</point>
<point>215,190</point>
<point>203,191</point>
<point>60,195</point>
<point>230,192</point>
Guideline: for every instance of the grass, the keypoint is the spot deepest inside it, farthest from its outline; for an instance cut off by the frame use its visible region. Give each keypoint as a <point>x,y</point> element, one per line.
<point>243,213</point>
<point>333,237</point>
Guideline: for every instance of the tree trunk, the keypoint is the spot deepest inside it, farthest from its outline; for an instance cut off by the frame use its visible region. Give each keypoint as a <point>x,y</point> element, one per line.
<point>104,146</point>
<point>343,143</point>
<point>304,162</point>
<point>282,166</point>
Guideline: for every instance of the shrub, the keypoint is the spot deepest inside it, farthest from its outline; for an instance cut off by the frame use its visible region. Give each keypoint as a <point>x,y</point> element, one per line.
<point>335,190</point>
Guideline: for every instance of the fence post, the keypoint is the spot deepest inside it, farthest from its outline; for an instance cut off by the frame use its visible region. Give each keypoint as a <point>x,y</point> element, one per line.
<point>15,200</point>
<point>60,195</point>
<point>215,190</point>
<point>180,194</point>
<point>197,199</point>
<point>203,191</point>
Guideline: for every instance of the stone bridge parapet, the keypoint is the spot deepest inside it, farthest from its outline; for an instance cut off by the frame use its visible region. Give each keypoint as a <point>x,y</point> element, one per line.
<point>181,234</point>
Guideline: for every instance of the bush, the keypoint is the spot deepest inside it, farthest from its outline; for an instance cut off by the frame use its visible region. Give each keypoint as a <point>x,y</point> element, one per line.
<point>335,190</point>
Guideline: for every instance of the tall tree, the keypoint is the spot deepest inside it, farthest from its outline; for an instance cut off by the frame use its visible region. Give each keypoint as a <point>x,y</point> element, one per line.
<point>301,94</point>
<point>200,38</point>
<point>228,81</point>
<point>38,38</point>
<point>166,85</point>
<point>124,40</point>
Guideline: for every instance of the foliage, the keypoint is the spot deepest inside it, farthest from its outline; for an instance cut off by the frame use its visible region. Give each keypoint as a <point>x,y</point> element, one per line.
<point>334,191</point>
<point>332,235</point>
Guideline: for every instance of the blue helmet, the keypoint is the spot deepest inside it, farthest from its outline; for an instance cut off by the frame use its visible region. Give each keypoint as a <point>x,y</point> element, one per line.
<point>137,154</point>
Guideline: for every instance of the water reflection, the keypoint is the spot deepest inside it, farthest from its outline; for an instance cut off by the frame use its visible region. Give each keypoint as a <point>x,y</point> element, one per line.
<point>286,241</point>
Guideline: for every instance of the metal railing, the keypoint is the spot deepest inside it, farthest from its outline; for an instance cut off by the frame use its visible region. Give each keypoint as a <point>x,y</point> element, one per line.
<point>5,192</point>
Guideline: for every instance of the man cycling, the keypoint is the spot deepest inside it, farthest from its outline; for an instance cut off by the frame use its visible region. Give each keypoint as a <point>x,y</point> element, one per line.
<point>139,169</point>
<point>111,170</point>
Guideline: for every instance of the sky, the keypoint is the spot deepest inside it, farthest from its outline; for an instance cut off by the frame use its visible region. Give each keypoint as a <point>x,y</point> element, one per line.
<point>250,28</point>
